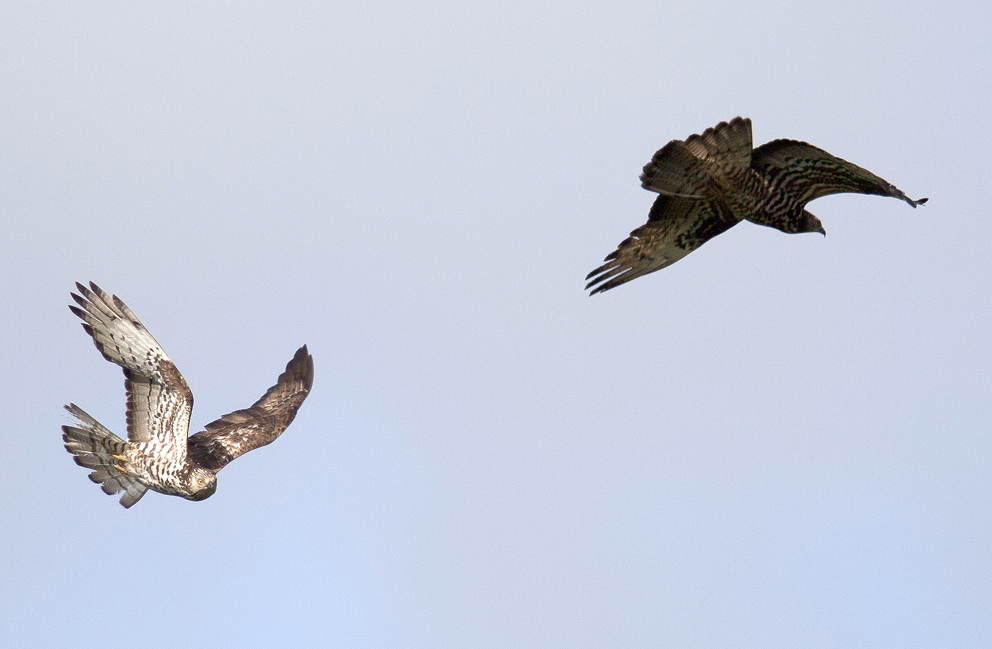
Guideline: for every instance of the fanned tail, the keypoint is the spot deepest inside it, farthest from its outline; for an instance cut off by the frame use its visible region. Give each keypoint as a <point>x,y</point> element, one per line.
<point>94,447</point>
<point>688,169</point>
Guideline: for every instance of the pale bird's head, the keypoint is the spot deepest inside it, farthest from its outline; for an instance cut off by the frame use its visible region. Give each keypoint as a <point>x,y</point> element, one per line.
<point>202,484</point>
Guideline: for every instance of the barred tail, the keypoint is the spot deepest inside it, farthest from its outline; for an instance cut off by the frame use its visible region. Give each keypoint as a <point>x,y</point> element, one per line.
<point>94,447</point>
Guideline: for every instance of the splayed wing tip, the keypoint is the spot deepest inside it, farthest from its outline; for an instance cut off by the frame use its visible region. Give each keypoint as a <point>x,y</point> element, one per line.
<point>595,272</point>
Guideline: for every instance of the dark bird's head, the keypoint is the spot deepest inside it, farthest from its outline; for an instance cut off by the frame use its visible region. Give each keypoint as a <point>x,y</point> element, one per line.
<point>811,224</point>
<point>201,484</point>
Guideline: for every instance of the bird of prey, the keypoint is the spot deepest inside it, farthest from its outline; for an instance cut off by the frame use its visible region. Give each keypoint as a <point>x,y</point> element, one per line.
<point>711,182</point>
<point>158,455</point>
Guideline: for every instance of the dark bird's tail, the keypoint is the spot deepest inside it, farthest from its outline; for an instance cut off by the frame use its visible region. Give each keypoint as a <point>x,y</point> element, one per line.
<point>94,447</point>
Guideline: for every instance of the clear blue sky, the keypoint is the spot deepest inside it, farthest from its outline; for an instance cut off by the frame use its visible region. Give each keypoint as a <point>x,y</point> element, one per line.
<point>780,441</point>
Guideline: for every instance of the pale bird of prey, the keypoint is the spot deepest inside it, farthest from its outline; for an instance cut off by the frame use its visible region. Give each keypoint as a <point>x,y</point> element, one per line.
<point>158,455</point>
<point>711,182</point>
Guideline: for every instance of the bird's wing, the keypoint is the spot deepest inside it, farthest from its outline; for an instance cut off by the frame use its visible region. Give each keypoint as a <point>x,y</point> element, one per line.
<point>238,432</point>
<point>688,169</point>
<point>676,226</point>
<point>805,173</point>
<point>158,400</point>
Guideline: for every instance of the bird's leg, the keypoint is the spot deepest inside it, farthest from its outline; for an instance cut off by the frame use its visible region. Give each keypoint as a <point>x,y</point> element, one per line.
<point>118,466</point>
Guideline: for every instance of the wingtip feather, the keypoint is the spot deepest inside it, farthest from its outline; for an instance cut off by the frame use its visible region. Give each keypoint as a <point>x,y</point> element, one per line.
<point>301,367</point>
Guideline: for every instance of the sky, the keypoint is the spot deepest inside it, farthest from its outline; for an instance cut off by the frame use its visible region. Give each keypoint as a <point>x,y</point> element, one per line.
<point>779,441</point>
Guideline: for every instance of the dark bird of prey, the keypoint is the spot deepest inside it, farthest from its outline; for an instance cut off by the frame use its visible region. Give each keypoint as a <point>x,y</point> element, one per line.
<point>711,182</point>
<point>158,455</point>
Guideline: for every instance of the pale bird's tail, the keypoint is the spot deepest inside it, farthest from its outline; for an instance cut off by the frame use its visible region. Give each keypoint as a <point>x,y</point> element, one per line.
<point>94,447</point>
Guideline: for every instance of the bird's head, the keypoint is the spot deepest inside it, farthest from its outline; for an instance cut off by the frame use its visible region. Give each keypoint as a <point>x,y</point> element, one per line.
<point>202,483</point>
<point>812,224</point>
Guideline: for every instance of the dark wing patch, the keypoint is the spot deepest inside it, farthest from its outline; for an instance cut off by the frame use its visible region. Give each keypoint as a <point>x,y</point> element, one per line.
<point>676,226</point>
<point>238,432</point>
<point>158,400</point>
<point>805,172</point>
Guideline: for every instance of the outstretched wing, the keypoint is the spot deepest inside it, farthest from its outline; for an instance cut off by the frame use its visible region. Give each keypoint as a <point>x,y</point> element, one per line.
<point>238,432</point>
<point>676,226</point>
<point>158,400</point>
<point>805,173</point>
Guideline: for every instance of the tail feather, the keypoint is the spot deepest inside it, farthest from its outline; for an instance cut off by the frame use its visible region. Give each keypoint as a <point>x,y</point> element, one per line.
<point>687,169</point>
<point>676,171</point>
<point>133,494</point>
<point>93,447</point>
<point>727,142</point>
